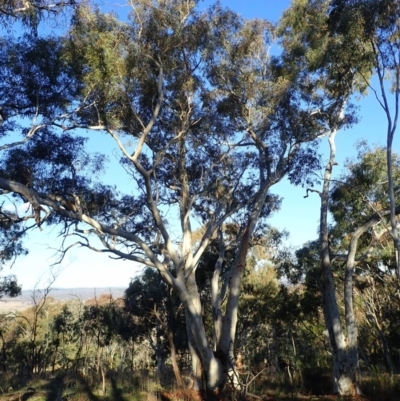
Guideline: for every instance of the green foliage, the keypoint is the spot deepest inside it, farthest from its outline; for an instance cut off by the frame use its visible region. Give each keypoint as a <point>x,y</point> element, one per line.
<point>104,322</point>
<point>95,51</point>
<point>155,308</point>
<point>206,122</point>
<point>48,87</point>
<point>358,194</point>
<point>363,189</point>
<point>30,13</point>
<point>9,286</point>
<point>305,32</point>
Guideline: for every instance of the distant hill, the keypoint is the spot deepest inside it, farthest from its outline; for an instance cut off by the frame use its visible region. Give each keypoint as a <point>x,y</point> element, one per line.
<point>60,294</point>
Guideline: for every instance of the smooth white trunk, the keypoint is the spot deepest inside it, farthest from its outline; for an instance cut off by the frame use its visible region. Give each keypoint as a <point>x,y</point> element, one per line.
<point>344,354</point>
<point>197,383</point>
<point>218,295</point>
<point>211,369</point>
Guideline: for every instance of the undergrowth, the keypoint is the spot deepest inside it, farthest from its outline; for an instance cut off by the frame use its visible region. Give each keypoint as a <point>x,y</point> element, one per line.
<point>67,386</point>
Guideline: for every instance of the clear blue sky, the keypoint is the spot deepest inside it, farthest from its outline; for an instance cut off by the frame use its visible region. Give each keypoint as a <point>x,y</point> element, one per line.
<point>299,216</point>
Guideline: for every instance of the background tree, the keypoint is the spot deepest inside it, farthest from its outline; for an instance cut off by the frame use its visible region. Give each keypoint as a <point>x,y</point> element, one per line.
<point>374,25</point>
<point>376,263</point>
<point>159,313</point>
<point>305,32</point>
<point>102,325</point>
<point>30,12</point>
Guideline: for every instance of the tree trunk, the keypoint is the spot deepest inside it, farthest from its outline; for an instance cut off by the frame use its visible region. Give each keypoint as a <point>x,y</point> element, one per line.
<point>344,367</point>
<point>382,60</point>
<point>197,383</point>
<point>227,338</point>
<point>171,341</point>
<point>344,355</point>
<point>229,321</point>
<point>158,350</point>
<point>175,367</point>
<point>103,379</point>
<point>102,373</point>
<point>211,366</point>
<point>218,295</point>
<point>394,230</point>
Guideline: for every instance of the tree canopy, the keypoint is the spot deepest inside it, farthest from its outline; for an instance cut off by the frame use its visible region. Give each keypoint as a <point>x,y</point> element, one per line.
<point>205,121</point>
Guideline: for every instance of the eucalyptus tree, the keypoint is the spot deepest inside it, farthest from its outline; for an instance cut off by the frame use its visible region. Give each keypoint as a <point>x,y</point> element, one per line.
<point>360,205</point>
<point>266,103</point>
<point>27,15</point>
<point>30,12</point>
<point>332,78</point>
<point>360,245</point>
<point>373,27</point>
<point>367,32</point>
<point>205,123</point>
<point>372,227</point>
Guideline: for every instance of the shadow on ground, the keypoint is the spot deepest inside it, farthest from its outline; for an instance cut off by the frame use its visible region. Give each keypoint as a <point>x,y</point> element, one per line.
<point>28,394</point>
<point>55,387</point>
<point>116,393</point>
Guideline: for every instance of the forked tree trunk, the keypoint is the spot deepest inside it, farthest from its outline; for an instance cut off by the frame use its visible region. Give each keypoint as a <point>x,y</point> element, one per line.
<point>344,351</point>
<point>202,349</point>
<point>229,322</point>
<point>206,367</point>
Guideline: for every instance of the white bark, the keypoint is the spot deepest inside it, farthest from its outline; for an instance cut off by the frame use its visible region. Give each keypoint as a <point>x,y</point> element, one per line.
<point>345,360</point>
<point>197,383</point>
<point>216,295</point>
<point>392,115</point>
<point>230,319</point>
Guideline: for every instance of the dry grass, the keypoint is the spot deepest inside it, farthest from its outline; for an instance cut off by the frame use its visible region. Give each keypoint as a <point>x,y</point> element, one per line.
<point>74,388</point>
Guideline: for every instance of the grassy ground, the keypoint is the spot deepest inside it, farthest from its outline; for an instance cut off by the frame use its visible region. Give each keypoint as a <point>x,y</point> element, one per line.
<point>76,388</point>
<point>175,395</point>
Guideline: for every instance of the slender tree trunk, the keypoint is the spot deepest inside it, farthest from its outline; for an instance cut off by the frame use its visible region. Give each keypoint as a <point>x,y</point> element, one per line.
<point>216,295</point>
<point>392,115</point>
<point>393,222</point>
<point>227,338</point>
<point>102,373</point>
<point>345,359</point>
<point>159,356</point>
<point>175,366</point>
<point>171,325</point>
<point>103,379</point>
<point>230,319</point>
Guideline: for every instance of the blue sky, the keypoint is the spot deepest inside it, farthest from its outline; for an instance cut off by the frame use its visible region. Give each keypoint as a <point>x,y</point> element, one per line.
<point>298,215</point>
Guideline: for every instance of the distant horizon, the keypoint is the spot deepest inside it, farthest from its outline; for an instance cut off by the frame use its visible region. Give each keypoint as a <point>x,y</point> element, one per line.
<point>77,288</point>
<point>64,295</point>
<point>67,290</point>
